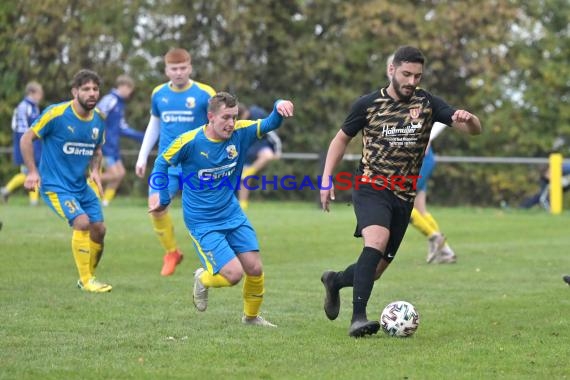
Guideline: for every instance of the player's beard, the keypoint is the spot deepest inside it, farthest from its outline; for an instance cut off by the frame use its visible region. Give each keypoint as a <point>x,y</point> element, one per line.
<point>398,92</point>
<point>86,106</point>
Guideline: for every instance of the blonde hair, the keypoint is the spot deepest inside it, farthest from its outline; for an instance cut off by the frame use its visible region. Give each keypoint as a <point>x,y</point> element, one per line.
<point>33,87</point>
<point>125,80</point>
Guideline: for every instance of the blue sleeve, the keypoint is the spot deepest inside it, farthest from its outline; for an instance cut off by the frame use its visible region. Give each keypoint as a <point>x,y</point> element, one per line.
<point>20,119</point>
<point>154,111</point>
<point>159,179</point>
<point>129,132</point>
<point>107,103</point>
<point>272,122</point>
<point>171,156</point>
<point>43,125</point>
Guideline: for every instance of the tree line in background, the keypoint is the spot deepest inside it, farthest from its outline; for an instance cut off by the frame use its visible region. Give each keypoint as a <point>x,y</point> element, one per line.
<point>506,61</point>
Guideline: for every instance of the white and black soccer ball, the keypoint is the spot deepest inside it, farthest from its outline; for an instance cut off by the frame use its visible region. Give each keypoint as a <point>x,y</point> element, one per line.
<point>400,318</point>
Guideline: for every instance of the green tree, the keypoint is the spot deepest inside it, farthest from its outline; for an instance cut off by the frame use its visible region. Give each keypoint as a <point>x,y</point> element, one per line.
<point>504,60</point>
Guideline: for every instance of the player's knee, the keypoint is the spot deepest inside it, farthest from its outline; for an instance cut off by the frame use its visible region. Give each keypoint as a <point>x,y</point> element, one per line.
<point>233,276</point>
<point>81,223</point>
<point>255,269</point>
<point>120,172</point>
<point>98,231</point>
<point>158,214</point>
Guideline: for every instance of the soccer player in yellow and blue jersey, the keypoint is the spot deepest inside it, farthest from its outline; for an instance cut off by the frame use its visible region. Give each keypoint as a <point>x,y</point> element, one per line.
<point>212,159</point>
<point>25,114</point>
<point>177,106</point>
<point>72,134</point>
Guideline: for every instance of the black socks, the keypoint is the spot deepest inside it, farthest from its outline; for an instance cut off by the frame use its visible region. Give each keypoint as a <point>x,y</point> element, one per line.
<point>364,271</point>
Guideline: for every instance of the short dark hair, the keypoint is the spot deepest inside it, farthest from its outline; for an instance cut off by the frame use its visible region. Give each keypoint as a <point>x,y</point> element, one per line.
<point>83,76</point>
<point>222,99</point>
<point>408,54</point>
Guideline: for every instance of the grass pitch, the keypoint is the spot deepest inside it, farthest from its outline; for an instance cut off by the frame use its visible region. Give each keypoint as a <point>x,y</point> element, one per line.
<point>501,312</point>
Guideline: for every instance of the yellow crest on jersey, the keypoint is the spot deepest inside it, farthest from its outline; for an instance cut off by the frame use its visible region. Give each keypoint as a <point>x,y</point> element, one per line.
<point>415,112</point>
<point>95,133</point>
<point>232,152</point>
<point>190,102</point>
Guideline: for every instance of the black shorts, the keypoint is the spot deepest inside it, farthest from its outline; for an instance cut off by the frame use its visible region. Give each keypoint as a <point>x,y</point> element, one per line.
<point>382,208</point>
<point>255,148</point>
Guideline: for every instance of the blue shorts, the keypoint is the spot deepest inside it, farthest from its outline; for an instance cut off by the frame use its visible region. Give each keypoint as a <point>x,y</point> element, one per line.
<point>111,160</point>
<point>217,247</point>
<point>174,185</point>
<point>17,153</point>
<point>70,205</point>
<point>427,168</point>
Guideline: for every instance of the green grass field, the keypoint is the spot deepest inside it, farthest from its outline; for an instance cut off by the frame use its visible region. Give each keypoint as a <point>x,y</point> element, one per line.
<point>501,312</point>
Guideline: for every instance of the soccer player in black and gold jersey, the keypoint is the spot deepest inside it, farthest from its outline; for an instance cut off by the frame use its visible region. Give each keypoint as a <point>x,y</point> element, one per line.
<point>395,123</point>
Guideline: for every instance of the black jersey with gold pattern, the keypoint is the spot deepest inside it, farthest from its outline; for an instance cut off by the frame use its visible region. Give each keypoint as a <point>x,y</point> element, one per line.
<point>395,135</point>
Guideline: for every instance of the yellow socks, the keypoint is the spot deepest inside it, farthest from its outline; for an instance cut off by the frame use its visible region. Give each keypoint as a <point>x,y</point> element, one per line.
<point>34,196</point>
<point>80,247</point>
<point>165,231</point>
<point>95,253</point>
<point>214,280</point>
<point>431,220</point>
<point>248,172</point>
<point>422,224</point>
<point>253,289</point>
<point>244,204</point>
<point>16,181</point>
<point>109,195</point>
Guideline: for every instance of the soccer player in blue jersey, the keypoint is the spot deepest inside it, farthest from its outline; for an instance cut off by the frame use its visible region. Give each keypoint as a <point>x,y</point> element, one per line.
<point>25,113</point>
<point>72,134</point>
<point>112,106</point>
<point>212,158</point>
<point>177,106</point>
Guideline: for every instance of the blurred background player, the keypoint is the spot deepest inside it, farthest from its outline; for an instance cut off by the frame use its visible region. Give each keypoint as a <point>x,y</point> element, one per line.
<point>258,156</point>
<point>177,106</point>
<point>439,250</point>
<point>72,133</point>
<point>542,196</point>
<point>25,114</point>
<point>112,106</point>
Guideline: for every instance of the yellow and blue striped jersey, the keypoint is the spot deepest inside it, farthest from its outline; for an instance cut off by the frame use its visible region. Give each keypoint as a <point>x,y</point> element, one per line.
<point>180,110</point>
<point>211,171</point>
<point>69,142</point>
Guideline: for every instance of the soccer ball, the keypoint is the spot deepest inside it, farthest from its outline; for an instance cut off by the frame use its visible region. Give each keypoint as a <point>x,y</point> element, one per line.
<point>399,318</point>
